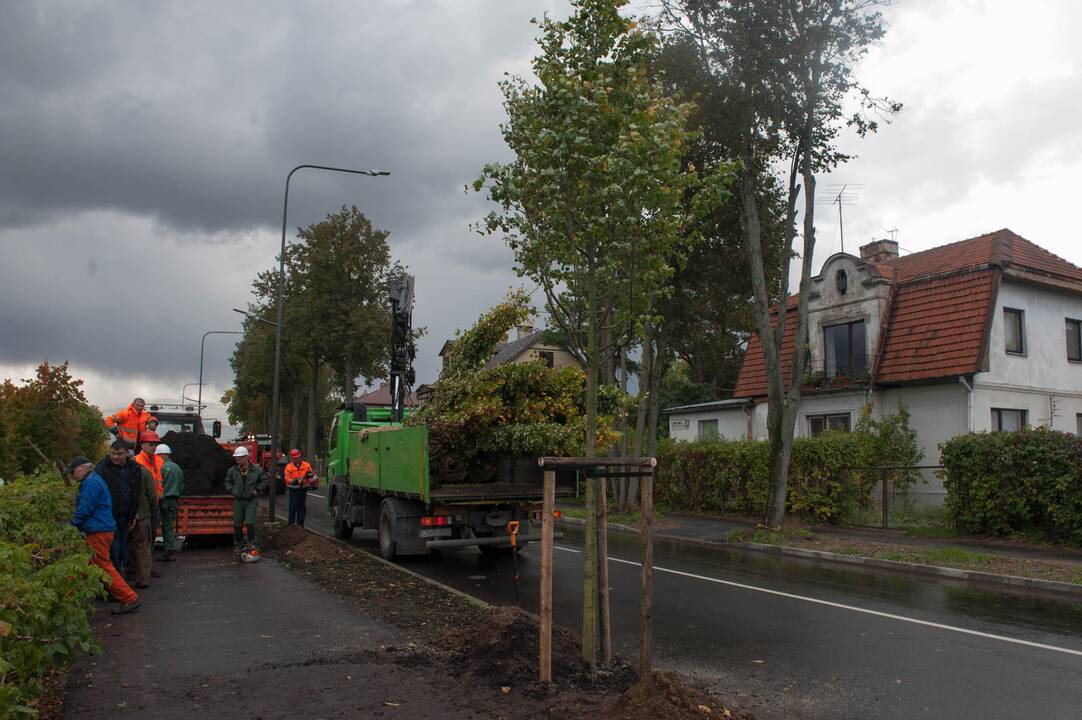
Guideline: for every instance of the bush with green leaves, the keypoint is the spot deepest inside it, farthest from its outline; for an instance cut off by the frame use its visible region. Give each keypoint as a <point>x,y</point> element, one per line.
<point>46,585</point>
<point>1028,482</point>
<point>720,475</point>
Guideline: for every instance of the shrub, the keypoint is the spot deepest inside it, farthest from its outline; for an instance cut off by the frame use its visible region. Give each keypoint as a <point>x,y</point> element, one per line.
<point>734,476</point>
<point>1028,481</point>
<point>46,583</point>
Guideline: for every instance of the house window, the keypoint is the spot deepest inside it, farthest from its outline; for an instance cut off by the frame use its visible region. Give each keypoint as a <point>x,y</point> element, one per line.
<point>1004,420</point>
<point>1074,340</point>
<point>818,424</point>
<point>845,353</point>
<point>546,357</point>
<point>842,281</point>
<point>1014,329</point>
<point>1078,424</point>
<point>708,429</point>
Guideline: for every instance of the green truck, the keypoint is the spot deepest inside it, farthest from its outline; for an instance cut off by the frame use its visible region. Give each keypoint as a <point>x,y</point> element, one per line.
<point>378,478</point>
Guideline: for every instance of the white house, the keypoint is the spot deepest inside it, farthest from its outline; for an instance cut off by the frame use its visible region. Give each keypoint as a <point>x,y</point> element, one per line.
<point>982,334</point>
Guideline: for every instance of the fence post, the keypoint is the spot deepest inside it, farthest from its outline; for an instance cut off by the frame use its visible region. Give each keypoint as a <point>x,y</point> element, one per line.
<point>646,598</point>
<point>548,507</point>
<point>883,482</point>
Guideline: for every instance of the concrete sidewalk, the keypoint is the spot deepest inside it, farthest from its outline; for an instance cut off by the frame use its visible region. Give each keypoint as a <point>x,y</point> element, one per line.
<point>706,528</point>
<point>219,639</point>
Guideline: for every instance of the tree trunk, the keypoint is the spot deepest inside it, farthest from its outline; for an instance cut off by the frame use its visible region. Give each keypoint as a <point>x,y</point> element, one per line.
<point>313,408</point>
<point>657,369</point>
<point>348,388</point>
<point>589,576</point>
<point>295,417</point>
<point>622,483</point>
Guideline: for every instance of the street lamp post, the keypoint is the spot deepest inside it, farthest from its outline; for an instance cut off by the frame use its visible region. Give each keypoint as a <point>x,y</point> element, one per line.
<point>202,345</point>
<point>184,391</point>
<point>275,405</point>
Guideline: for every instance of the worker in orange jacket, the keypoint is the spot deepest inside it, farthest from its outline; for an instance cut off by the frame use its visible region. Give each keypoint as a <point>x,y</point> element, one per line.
<point>299,478</point>
<point>129,423</point>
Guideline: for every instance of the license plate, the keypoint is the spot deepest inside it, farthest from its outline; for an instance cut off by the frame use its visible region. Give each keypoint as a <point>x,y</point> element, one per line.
<point>435,532</point>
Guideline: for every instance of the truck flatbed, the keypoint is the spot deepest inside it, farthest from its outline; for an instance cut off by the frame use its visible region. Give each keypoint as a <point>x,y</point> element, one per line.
<point>490,492</point>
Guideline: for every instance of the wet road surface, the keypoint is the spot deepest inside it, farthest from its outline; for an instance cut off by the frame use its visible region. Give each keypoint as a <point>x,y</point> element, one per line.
<point>788,637</point>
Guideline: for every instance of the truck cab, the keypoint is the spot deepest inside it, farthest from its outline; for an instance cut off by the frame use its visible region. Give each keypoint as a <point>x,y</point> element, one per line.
<point>181,418</point>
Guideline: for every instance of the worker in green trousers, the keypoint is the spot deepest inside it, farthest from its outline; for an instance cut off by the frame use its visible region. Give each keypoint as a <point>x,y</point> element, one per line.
<point>244,481</point>
<point>172,489</point>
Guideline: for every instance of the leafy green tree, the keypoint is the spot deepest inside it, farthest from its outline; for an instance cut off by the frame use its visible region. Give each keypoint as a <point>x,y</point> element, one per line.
<point>51,410</point>
<point>785,69</point>
<point>592,205</point>
<point>336,321</point>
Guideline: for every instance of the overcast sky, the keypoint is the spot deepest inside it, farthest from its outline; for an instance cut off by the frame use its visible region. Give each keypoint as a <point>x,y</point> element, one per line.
<point>144,149</point>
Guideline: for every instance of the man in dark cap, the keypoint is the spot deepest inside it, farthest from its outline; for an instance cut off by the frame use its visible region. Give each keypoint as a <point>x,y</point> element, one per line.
<point>124,478</point>
<point>94,518</point>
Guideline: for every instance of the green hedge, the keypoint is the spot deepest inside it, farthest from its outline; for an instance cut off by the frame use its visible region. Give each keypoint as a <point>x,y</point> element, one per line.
<point>734,476</point>
<point>46,585</point>
<point>1028,481</point>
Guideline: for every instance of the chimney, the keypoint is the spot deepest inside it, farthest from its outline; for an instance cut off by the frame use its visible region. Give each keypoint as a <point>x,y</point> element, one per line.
<point>878,251</point>
<point>523,331</point>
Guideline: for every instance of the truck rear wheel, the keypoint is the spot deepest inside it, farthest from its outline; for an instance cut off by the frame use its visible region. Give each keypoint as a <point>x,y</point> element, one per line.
<point>386,531</point>
<point>343,528</point>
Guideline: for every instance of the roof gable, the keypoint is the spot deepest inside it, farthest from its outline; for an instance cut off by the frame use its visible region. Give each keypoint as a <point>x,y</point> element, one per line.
<point>937,321</point>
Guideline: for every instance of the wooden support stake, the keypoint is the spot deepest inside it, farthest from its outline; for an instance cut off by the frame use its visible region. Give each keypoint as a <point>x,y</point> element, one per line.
<point>603,616</point>
<point>589,581</point>
<point>548,507</point>
<point>646,600</point>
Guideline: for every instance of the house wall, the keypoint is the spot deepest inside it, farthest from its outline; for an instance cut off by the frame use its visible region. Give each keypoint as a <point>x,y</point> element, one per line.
<point>732,424</point>
<point>1042,381</point>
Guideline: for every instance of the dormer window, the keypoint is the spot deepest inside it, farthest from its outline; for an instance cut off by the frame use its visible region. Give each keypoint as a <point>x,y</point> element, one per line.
<point>841,280</point>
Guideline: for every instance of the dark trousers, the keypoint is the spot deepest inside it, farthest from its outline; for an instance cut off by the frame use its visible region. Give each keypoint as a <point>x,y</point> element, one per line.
<point>118,549</point>
<point>298,505</point>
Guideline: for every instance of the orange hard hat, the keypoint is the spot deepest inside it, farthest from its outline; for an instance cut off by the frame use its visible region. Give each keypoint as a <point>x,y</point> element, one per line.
<point>149,437</point>
<point>294,453</point>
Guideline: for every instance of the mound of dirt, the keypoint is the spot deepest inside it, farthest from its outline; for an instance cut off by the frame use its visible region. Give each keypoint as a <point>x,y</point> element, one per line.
<point>203,461</point>
<point>503,647</point>
<point>663,695</point>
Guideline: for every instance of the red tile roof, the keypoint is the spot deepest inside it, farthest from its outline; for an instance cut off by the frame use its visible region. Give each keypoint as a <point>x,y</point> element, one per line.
<point>937,327</point>
<point>938,318</point>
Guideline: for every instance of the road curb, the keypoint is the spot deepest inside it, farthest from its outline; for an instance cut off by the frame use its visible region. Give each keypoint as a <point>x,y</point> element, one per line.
<point>975,576</point>
<point>436,583</point>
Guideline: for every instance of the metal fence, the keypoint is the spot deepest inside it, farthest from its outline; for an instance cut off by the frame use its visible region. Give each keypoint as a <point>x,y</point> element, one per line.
<point>901,494</point>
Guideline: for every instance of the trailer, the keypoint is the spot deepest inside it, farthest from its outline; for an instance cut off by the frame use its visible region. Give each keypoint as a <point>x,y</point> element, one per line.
<point>378,478</point>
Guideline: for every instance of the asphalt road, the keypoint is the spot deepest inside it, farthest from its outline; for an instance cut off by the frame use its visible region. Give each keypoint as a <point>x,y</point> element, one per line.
<point>794,638</point>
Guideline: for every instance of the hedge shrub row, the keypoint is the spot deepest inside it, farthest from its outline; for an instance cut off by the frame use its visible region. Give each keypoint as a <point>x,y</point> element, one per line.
<point>1027,481</point>
<point>734,476</point>
<point>46,585</point>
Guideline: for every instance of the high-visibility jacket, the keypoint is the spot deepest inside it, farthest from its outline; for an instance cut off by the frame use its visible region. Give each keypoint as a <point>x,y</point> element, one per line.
<point>153,464</point>
<point>294,475</point>
<point>129,423</point>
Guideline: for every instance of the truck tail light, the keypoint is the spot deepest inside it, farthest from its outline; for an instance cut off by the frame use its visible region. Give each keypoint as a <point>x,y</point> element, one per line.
<point>435,520</point>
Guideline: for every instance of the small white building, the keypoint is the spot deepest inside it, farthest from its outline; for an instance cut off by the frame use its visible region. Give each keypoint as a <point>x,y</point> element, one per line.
<point>979,335</point>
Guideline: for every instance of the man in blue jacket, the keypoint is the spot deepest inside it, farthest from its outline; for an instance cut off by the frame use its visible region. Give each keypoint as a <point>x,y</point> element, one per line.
<point>94,518</point>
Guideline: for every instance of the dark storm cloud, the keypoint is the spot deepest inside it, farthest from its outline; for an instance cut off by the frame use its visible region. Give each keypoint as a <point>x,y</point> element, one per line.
<point>192,113</point>
<point>146,147</point>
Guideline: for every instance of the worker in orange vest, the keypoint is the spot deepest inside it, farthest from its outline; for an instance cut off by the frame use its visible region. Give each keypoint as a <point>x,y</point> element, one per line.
<point>298,478</point>
<point>127,424</point>
<point>141,538</point>
<point>148,458</point>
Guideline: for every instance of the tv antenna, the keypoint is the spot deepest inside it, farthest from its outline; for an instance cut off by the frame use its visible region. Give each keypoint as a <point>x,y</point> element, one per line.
<point>893,234</point>
<point>840,195</point>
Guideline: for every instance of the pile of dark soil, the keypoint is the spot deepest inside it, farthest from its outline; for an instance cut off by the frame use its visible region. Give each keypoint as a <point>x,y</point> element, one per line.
<point>502,648</point>
<point>663,695</point>
<point>203,461</point>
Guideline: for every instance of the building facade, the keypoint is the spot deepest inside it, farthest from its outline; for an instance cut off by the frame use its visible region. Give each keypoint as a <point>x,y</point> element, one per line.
<point>980,335</point>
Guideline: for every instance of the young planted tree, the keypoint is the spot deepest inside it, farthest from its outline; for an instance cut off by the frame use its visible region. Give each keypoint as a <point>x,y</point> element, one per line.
<point>786,70</point>
<point>592,204</point>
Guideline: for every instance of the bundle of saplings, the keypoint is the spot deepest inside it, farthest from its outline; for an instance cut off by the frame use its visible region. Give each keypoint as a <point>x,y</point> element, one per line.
<point>203,461</point>
<point>480,419</point>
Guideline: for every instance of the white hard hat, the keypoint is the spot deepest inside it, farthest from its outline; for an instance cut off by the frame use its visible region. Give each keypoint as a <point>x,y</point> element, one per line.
<point>163,449</point>
<point>240,452</point>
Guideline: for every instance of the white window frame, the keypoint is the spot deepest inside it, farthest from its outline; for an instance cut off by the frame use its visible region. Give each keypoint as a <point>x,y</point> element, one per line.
<point>705,423</point>
<point>1021,314</point>
<point>826,418</point>
<point>1078,339</point>
<point>997,418</point>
